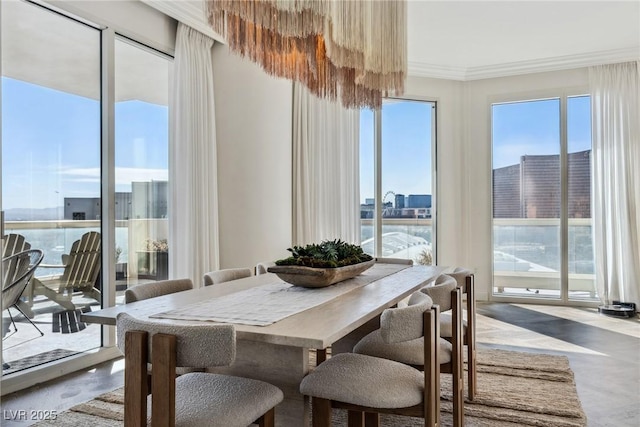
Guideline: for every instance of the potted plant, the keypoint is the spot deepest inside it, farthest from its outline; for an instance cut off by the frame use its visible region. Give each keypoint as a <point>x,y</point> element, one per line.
<point>323,264</point>
<point>153,262</point>
<point>121,267</point>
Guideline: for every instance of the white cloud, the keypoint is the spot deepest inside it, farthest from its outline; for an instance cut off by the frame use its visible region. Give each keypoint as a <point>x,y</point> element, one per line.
<point>124,176</point>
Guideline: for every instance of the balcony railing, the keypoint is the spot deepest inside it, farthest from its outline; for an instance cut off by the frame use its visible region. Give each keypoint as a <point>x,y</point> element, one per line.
<point>526,251</point>
<point>55,238</point>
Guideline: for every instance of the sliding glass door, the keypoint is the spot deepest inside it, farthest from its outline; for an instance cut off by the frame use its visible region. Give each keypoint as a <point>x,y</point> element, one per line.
<point>51,165</point>
<point>61,143</point>
<point>397,146</point>
<point>141,164</point>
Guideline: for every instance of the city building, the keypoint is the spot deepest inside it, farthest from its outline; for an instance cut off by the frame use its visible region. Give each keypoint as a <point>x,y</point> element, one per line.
<point>146,200</point>
<point>531,189</point>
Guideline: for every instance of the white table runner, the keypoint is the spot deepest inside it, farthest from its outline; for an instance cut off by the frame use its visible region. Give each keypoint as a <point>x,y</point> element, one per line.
<point>267,304</point>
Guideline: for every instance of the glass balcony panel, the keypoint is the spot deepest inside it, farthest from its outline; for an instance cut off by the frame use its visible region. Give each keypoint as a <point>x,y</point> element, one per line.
<point>141,159</point>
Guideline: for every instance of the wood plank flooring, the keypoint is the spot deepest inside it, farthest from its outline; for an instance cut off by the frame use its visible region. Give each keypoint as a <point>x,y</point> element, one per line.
<point>604,353</point>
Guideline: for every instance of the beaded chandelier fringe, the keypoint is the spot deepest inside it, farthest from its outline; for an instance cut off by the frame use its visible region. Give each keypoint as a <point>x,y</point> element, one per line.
<point>354,50</point>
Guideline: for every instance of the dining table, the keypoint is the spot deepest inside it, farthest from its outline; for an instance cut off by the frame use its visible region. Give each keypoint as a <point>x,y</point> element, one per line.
<point>277,349</point>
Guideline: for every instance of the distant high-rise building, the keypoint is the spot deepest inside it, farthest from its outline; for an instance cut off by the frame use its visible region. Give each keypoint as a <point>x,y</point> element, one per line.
<point>506,192</point>
<point>419,201</point>
<point>147,200</point>
<point>399,201</point>
<point>531,189</point>
<point>82,208</point>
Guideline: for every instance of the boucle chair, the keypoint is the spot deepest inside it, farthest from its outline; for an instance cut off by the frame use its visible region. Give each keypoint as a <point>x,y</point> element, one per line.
<point>195,399</point>
<point>366,386</point>
<point>263,267</point>
<point>395,261</point>
<point>149,290</point>
<point>448,296</point>
<point>225,275</point>
<point>466,282</point>
<point>155,289</point>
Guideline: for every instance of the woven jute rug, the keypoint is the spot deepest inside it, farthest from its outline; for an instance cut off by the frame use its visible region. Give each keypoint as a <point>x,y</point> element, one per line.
<point>514,389</point>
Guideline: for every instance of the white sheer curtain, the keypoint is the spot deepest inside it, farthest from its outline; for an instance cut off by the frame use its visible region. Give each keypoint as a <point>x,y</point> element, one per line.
<point>193,216</point>
<point>615,91</point>
<point>326,175</point>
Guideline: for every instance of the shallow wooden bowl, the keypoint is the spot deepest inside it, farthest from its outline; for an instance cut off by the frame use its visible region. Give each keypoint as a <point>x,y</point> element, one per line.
<point>311,277</point>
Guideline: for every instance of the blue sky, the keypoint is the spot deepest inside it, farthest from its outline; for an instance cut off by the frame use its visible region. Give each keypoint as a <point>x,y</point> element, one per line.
<point>520,128</point>
<point>50,145</point>
<point>533,128</point>
<point>406,149</point>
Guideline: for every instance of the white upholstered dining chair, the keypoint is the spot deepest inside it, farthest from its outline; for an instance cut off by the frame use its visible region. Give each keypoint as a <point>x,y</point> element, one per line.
<point>366,386</point>
<point>148,290</point>
<point>194,399</point>
<point>466,282</point>
<point>263,267</point>
<point>395,261</point>
<point>225,275</point>
<point>446,294</point>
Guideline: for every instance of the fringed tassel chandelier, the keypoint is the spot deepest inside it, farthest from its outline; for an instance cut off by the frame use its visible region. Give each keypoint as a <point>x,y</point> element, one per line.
<point>354,50</point>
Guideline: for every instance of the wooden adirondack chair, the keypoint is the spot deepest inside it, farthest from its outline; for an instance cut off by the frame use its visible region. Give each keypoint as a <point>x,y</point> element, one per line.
<point>17,270</point>
<point>81,269</point>
<point>12,244</point>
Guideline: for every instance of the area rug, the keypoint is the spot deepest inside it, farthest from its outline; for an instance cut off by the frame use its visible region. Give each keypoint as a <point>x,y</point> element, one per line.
<point>514,389</point>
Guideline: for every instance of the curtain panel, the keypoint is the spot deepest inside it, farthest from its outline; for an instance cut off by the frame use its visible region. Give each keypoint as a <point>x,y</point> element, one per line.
<point>326,174</point>
<point>615,91</point>
<point>193,216</point>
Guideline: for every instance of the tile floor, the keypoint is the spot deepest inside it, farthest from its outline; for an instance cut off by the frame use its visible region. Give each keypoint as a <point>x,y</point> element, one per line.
<point>604,353</point>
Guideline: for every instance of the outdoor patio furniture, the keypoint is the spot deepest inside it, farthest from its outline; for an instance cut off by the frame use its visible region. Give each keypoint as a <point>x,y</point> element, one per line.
<point>12,244</point>
<point>81,270</point>
<point>17,270</point>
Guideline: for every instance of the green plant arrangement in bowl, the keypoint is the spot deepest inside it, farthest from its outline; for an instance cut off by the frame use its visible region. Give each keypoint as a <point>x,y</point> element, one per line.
<point>323,264</point>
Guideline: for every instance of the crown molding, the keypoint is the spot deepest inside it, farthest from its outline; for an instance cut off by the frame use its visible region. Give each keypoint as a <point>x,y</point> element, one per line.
<point>188,12</point>
<point>417,69</point>
<point>555,64</point>
<point>525,67</point>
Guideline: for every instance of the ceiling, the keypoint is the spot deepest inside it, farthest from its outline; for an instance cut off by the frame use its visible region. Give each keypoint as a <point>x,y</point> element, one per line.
<point>466,40</point>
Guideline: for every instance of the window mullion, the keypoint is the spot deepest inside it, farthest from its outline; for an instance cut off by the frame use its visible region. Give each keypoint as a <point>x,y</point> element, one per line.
<point>108,176</point>
<point>564,203</point>
<point>377,138</point>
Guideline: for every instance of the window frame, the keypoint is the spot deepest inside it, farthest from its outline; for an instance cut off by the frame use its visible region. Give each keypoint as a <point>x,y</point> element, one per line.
<point>562,94</point>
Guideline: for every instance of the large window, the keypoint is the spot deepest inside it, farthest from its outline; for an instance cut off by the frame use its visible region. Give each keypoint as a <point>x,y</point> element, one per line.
<point>542,241</point>
<point>54,123</point>
<point>50,160</point>
<point>141,160</point>
<point>396,158</point>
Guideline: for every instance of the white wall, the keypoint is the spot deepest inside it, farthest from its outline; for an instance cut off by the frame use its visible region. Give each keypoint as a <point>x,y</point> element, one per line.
<point>253,129</point>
